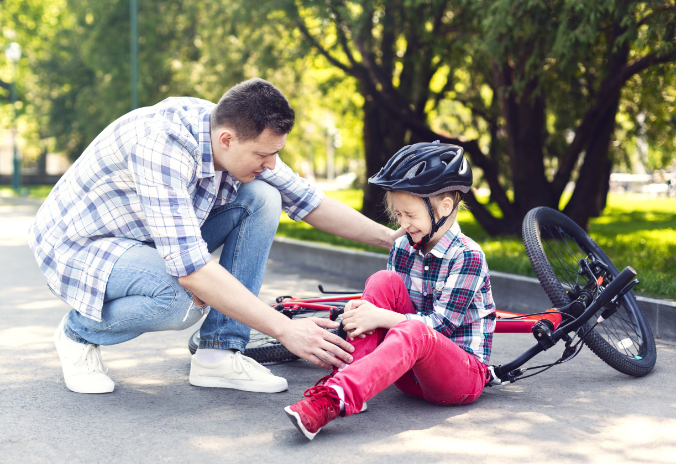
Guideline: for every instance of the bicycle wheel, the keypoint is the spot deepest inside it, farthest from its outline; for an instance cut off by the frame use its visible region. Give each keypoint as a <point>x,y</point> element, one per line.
<point>555,245</point>
<point>265,349</point>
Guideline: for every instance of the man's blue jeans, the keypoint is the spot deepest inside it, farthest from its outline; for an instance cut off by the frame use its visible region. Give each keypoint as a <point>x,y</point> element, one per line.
<point>141,297</point>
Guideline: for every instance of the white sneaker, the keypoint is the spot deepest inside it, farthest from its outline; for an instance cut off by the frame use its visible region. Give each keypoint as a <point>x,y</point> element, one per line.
<point>235,371</point>
<point>83,368</point>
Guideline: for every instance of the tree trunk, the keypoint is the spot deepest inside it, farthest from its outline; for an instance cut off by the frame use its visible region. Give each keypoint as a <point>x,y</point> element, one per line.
<point>42,163</point>
<point>525,123</point>
<point>591,189</point>
<point>383,137</point>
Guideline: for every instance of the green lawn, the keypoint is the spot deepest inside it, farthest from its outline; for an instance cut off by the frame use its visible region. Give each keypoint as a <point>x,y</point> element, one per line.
<point>34,191</point>
<point>637,233</point>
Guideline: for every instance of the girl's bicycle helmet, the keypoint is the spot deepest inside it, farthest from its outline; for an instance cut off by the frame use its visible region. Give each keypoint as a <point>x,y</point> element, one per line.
<point>425,170</point>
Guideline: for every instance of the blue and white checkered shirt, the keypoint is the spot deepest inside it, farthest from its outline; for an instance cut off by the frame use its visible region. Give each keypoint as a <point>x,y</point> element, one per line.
<point>147,178</point>
<point>450,288</point>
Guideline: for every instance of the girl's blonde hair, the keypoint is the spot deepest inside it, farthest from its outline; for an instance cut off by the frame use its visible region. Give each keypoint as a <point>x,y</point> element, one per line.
<point>454,195</point>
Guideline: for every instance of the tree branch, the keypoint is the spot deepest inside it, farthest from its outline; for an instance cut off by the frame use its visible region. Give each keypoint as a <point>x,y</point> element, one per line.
<point>610,87</point>
<point>655,10</point>
<point>315,43</point>
<point>342,28</point>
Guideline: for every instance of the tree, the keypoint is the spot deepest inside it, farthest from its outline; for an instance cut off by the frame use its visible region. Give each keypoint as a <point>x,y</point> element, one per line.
<point>542,82</point>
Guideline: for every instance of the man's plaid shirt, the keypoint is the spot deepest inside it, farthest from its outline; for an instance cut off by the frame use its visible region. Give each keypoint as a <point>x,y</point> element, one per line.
<point>148,178</point>
<point>450,289</point>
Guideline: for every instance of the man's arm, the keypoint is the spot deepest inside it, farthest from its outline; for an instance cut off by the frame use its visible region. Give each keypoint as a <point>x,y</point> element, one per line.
<point>304,337</point>
<point>337,218</point>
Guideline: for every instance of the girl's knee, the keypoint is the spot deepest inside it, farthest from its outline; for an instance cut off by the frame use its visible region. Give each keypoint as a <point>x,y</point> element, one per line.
<point>384,278</point>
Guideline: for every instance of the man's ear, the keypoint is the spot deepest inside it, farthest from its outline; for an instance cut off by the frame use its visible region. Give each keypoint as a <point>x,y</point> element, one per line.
<point>225,138</point>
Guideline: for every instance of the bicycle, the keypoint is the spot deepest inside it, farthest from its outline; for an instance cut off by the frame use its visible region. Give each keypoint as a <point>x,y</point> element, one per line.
<point>593,303</point>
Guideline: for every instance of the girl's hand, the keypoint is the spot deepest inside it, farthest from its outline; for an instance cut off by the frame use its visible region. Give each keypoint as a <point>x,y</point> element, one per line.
<point>361,318</point>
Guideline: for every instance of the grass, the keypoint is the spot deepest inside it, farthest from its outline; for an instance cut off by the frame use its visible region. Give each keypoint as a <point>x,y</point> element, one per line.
<point>39,192</point>
<point>632,232</point>
<point>637,233</point>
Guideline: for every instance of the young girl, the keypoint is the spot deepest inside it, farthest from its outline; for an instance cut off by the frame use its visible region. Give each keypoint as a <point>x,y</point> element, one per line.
<point>426,324</point>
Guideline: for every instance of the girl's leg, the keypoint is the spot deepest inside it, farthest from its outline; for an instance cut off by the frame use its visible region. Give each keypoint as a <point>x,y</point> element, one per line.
<point>444,373</point>
<point>387,290</point>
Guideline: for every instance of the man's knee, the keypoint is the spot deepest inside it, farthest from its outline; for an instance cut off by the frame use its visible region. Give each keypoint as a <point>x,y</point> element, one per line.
<point>266,199</point>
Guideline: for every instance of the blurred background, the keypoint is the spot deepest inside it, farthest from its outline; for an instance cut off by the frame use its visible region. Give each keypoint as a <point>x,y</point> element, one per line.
<point>567,104</point>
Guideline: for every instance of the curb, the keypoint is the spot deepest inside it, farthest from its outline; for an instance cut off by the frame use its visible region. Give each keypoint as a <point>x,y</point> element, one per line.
<point>511,292</point>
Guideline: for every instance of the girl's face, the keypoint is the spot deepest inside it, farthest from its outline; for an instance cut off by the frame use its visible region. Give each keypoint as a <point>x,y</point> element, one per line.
<point>413,217</point>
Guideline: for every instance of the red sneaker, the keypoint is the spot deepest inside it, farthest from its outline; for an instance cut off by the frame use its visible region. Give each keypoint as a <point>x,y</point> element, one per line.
<point>320,406</point>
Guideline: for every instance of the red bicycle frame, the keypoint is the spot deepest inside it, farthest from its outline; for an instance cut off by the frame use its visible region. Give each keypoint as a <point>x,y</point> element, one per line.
<point>506,322</point>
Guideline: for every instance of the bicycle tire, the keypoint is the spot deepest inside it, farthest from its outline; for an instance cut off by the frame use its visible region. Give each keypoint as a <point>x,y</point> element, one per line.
<point>262,348</point>
<point>555,244</point>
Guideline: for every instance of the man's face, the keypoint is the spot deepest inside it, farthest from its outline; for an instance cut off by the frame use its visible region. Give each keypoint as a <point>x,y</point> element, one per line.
<point>245,160</point>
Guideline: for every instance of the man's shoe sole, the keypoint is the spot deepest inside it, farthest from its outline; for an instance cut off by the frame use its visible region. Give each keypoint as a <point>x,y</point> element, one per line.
<point>295,420</point>
<point>88,389</point>
<point>244,385</point>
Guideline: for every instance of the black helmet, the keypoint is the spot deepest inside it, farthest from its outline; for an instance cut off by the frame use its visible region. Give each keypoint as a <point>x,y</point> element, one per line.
<point>425,170</point>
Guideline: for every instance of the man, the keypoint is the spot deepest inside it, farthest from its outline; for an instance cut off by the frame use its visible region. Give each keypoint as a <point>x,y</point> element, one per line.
<point>125,237</point>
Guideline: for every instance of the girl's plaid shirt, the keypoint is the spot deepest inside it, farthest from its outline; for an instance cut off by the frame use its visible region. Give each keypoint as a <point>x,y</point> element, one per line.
<point>149,179</point>
<point>450,289</point>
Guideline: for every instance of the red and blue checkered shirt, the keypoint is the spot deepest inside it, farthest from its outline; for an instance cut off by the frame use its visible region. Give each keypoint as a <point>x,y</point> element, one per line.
<point>450,289</point>
<point>148,178</point>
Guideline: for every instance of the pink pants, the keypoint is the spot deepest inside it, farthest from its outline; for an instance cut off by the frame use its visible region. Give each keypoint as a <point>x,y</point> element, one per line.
<point>421,362</point>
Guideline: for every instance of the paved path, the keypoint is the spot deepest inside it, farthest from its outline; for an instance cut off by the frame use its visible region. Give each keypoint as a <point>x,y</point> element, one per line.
<point>580,412</point>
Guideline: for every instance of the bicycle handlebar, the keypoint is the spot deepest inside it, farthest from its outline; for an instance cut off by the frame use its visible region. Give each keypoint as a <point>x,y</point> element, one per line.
<point>613,289</point>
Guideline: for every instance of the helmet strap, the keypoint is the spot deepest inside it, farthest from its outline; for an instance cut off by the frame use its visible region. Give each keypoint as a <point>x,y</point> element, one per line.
<point>435,226</point>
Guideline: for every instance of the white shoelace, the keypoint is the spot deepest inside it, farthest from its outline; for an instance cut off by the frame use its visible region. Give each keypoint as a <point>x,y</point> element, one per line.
<point>240,361</point>
<point>92,358</point>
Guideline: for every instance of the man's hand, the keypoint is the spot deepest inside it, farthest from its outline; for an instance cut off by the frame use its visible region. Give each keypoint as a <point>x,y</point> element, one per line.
<point>361,317</point>
<point>395,235</point>
<point>307,339</point>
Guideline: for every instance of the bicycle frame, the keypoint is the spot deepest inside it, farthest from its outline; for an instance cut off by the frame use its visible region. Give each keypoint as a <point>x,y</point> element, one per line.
<point>506,322</point>
<point>547,327</point>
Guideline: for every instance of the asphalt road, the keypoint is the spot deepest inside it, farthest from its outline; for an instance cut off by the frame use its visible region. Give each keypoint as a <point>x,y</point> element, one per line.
<point>582,411</point>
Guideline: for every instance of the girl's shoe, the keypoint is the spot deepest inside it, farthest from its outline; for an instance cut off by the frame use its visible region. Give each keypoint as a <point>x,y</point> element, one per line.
<point>320,406</point>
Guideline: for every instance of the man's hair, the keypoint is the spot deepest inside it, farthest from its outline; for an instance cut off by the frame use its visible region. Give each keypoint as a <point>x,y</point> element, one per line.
<point>252,106</point>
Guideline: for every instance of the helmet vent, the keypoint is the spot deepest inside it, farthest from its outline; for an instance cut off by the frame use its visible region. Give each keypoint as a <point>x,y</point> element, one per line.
<point>463,167</point>
<point>415,170</point>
